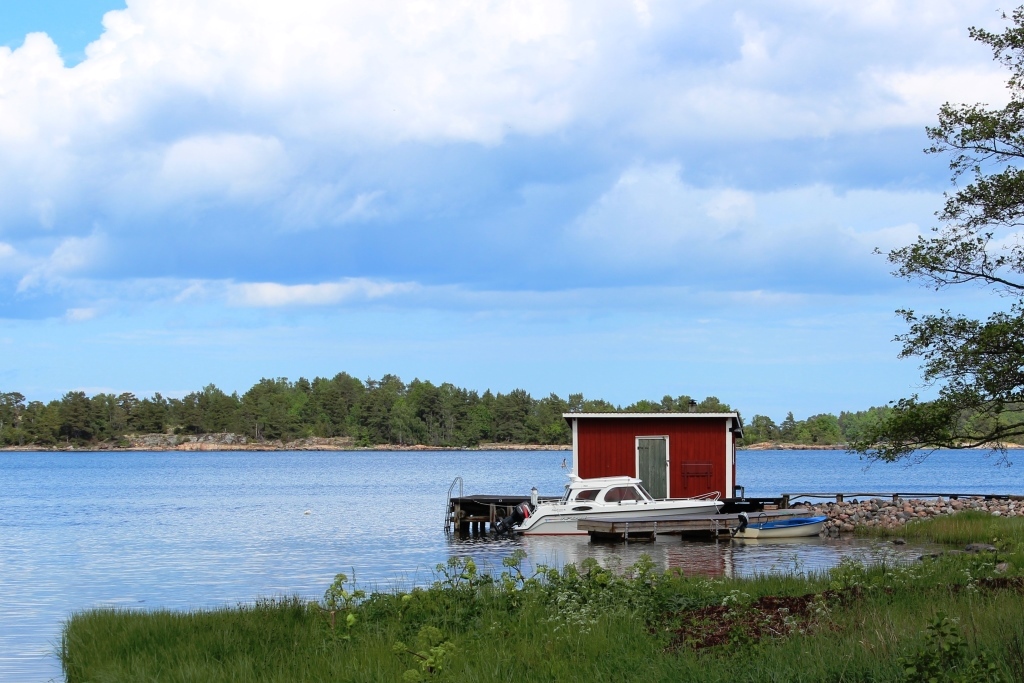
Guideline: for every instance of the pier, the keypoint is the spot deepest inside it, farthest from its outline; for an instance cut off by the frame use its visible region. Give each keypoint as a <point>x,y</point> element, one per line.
<point>648,529</point>
<point>479,513</point>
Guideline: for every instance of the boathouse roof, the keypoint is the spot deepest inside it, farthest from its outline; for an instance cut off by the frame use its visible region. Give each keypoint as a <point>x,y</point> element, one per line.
<point>735,417</point>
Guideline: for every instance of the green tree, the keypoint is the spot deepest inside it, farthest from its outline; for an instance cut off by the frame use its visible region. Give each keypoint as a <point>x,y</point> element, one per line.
<point>511,417</point>
<point>819,429</point>
<point>788,428</point>
<point>974,364</point>
<point>76,417</point>
<point>12,408</point>
<point>150,416</point>
<point>761,428</point>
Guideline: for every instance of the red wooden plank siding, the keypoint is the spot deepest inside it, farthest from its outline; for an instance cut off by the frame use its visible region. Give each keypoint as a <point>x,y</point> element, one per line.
<point>608,448</point>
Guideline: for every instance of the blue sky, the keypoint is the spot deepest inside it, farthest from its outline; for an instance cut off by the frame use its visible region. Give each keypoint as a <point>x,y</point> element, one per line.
<point>626,199</point>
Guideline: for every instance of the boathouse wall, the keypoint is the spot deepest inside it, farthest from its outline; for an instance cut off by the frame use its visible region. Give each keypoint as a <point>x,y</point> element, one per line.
<point>701,449</point>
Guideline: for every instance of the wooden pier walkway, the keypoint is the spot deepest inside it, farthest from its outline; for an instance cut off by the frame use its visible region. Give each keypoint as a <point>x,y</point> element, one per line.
<point>641,528</point>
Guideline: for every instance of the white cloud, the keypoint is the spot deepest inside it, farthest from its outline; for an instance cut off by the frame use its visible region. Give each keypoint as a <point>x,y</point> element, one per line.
<point>230,166</point>
<point>78,315</point>
<point>274,295</point>
<point>73,256</point>
<point>650,217</point>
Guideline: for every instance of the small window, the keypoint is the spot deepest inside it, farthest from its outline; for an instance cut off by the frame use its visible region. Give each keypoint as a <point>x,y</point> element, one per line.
<point>588,494</point>
<point>621,493</point>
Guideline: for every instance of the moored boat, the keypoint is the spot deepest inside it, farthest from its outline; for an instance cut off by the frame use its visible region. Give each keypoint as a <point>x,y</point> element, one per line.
<point>601,498</point>
<point>792,527</point>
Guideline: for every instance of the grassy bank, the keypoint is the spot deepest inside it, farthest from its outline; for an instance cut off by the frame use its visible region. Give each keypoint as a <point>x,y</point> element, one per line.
<point>960,529</point>
<point>955,617</point>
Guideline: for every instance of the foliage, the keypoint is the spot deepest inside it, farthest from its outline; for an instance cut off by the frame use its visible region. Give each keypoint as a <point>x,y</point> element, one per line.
<point>384,411</point>
<point>339,600</point>
<point>974,363</point>
<point>945,657</point>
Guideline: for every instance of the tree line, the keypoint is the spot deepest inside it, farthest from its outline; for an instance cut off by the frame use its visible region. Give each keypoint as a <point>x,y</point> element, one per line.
<point>371,412</point>
<point>383,411</point>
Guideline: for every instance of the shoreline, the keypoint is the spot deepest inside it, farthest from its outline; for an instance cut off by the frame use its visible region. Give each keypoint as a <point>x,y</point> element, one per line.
<point>267,447</point>
<point>775,446</point>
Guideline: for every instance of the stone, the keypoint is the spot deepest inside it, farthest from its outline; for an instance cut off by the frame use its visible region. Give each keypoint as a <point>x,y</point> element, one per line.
<point>980,548</point>
<point>1002,567</point>
<point>899,541</point>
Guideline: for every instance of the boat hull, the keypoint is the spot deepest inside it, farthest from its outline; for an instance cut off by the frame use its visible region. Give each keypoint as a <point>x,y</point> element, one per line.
<point>784,528</point>
<point>561,520</point>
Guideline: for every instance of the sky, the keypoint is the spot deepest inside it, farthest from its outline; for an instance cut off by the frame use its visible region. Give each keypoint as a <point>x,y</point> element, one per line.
<point>626,198</point>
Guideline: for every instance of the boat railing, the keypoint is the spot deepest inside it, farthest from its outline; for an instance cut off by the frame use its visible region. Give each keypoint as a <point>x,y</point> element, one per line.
<point>710,495</point>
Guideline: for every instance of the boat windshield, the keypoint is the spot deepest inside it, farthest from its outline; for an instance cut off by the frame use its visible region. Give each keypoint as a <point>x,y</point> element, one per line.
<point>620,493</point>
<point>587,494</point>
<point>643,492</point>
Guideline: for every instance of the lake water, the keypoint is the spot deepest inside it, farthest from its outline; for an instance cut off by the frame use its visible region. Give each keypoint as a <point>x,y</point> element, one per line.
<point>187,530</point>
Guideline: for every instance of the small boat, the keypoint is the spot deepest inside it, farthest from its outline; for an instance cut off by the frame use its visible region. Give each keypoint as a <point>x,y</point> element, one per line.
<point>600,498</point>
<point>790,527</point>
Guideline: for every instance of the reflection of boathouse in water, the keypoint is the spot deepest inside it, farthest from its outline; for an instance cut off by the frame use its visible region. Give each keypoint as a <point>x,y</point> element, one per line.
<point>677,455</point>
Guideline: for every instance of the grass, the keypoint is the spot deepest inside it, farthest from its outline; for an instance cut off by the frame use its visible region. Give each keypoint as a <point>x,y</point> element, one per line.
<point>954,615</point>
<point>968,526</point>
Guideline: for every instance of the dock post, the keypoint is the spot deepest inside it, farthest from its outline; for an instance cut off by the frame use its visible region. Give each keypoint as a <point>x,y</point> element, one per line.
<point>895,498</point>
<point>784,504</point>
<point>654,535</point>
<point>839,498</point>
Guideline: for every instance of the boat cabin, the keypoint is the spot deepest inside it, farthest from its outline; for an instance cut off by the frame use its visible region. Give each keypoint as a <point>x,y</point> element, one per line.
<point>674,455</point>
<point>609,490</point>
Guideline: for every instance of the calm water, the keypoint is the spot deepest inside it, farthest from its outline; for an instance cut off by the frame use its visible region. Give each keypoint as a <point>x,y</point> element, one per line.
<point>185,530</point>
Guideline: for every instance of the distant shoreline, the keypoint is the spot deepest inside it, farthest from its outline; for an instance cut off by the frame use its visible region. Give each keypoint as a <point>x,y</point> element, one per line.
<point>211,448</point>
<point>232,442</point>
<point>773,446</point>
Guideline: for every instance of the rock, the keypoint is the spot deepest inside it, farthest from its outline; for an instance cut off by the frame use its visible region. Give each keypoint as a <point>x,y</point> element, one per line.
<point>980,548</point>
<point>899,541</point>
<point>996,513</point>
<point>1002,567</point>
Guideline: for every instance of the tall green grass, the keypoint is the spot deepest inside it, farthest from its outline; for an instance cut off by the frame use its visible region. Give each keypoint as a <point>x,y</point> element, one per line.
<point>968,526</point>
<point>581,624</point>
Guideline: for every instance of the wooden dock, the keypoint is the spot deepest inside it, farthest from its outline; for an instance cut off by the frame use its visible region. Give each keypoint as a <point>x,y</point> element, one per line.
<point>641,528</point>
<point>478,513</point>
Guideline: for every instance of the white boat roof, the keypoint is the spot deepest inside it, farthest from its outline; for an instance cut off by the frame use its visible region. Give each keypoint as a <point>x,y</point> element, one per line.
<point>601,482</point>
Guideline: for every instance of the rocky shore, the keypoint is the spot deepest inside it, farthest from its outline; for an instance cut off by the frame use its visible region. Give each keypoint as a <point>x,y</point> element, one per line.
<point>877,512</point>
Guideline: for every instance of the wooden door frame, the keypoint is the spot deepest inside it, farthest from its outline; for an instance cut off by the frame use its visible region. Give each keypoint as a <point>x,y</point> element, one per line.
<point>668,460</point>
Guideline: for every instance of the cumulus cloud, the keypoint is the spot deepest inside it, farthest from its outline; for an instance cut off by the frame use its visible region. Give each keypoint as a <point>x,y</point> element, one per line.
<point>652,218</point>
<point>412,126</point>
<point>275,295</point>
<point>73,256</point>
<point>234,167</point>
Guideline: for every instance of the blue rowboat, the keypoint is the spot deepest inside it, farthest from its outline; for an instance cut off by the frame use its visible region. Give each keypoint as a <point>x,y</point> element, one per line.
<point>792,527</point>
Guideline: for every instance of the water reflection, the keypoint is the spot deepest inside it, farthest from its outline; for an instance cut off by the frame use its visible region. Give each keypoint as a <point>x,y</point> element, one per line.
<point>711,558</point>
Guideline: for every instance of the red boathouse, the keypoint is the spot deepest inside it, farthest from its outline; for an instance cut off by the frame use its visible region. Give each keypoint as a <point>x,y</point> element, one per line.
<point>676,455</point>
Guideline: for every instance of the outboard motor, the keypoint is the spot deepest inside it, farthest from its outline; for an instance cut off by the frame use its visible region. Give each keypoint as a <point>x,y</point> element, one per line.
<point>519,514</point>
<point>744,521</point>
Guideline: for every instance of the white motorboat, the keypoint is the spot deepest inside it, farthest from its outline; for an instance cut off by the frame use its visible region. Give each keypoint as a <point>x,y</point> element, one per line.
<point>603,498</point>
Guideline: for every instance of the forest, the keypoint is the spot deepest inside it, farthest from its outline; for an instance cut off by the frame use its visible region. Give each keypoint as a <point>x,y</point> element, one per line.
<point>371,412</point>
